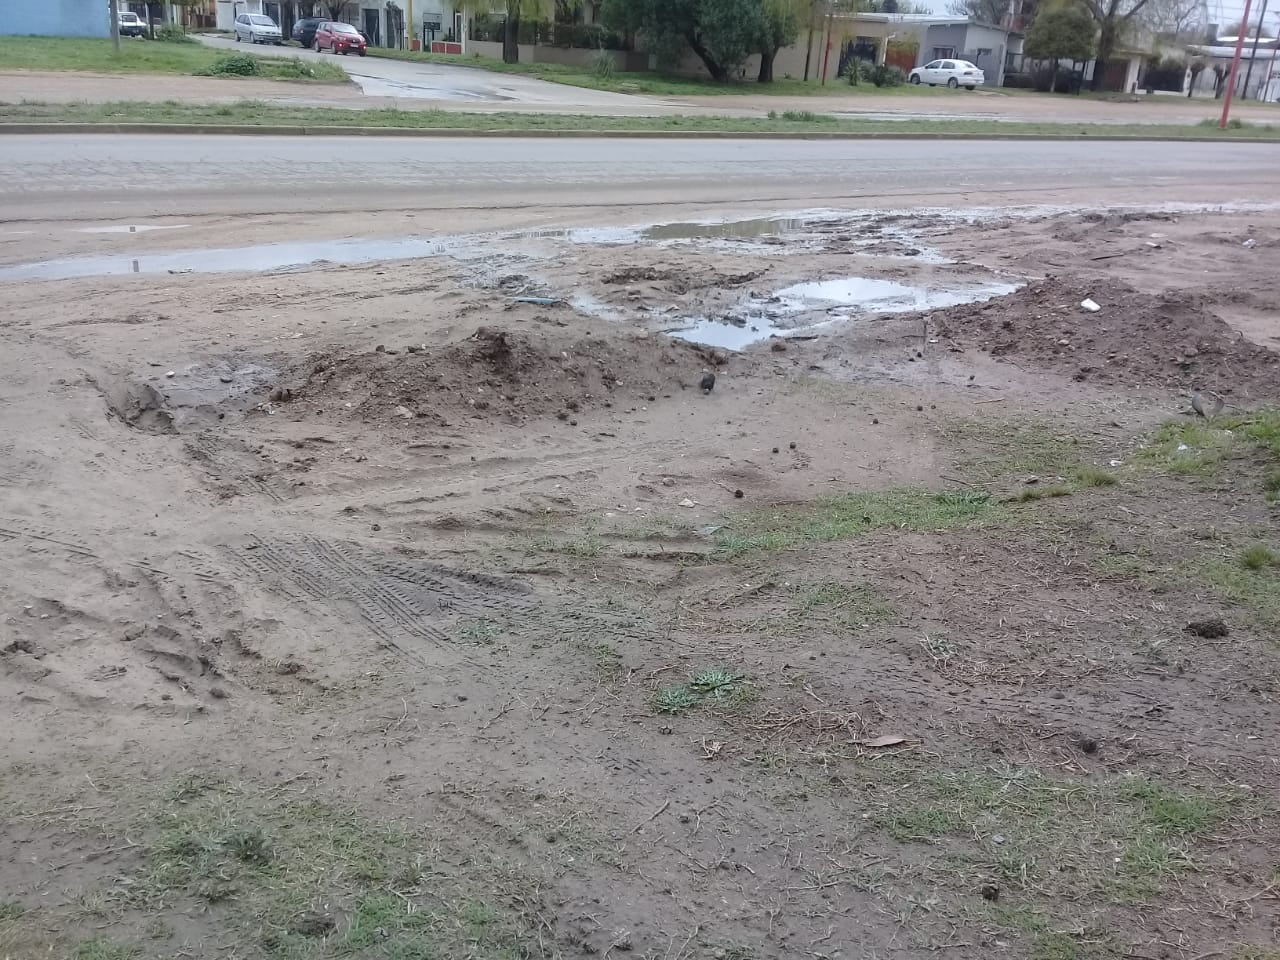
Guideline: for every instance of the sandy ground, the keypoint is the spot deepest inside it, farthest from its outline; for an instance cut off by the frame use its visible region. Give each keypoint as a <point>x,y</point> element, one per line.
<point>988,104</point>
<point>367,610</point>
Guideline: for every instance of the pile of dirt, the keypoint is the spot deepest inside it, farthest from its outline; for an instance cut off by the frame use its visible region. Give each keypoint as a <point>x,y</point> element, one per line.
<point>501,374</point>
<point>1136,339</point>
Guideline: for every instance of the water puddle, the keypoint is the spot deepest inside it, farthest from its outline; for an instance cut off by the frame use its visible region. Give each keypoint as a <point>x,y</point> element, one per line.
<point>723,230</point>
<point>255,259</point>
<point>806,308</point>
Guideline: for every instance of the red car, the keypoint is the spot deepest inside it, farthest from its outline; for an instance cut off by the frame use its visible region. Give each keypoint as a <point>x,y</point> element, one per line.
<point>340,38</point>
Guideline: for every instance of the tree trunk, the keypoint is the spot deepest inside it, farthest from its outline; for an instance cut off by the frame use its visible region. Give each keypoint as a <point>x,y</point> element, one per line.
<point>511,37</point>
<point>1106,46</point>
<point>718,73</point>
<point>766,66</point>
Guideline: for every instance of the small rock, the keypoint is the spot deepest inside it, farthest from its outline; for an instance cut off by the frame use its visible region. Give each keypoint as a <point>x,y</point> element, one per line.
<point>171,374</point>
<point>404,413</point>
<point>737,494</point>
<point>990,892</point>
<point>573,423</point>
<point>778,346</point>
<point>1211,629</point>
<point>1090,305</point>
<point>226,378</point>
<point>375,527</point>
<point>412,348</point>
<point>218,693</point>
<point>792,445</point>
<point>20,646</point>
<point>875,420</point>
<point>1087,745</point>
<point>665,731</point>
<point>687,503</point>
<point>380,348</point>
<point>919,409</point>
<point>669,482</point>
<point>775,449</point>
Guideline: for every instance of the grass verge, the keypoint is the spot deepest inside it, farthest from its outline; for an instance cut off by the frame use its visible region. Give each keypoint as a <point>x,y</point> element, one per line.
<point>256,113</point>
<point>148,56</point>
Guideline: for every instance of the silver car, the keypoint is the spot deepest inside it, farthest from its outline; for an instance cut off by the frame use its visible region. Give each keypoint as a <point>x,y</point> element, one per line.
<point>256,28</point>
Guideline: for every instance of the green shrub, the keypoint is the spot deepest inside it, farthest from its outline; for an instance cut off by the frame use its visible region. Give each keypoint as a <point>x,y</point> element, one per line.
<point>173,34</point>
<point>233,65</point>
<point>602,64</point>
<point>887,75</point>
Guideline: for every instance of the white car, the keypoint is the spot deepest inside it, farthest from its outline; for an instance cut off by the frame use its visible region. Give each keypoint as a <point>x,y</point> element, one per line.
<point>953,73</point>
<point>256,28</point>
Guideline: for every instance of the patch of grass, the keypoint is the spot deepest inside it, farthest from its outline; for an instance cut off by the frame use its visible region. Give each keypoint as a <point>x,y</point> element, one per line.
<point>1119,837</point>
<point>478,631</point>
<point>1014,447</point>
<point>853,604</point>
<point>605,658</point>
<point>1200,448</point>
<point>11,910</point>
<point>1044,942</point>
<point>584,547</point>
<point>1235,581</point>
<point>802,116</point>
<point>675,699</point>
<point>100,948</point>
<point>258,113</point>
<point>1048,491</point>
<point>716,687</point>
<point>68,53</point>
<point>1258,557</point>
<point>292,878</point>
<point>1095,477</point>
<point>852,515</point>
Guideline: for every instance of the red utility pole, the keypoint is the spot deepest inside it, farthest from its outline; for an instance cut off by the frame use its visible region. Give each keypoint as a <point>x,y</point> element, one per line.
<point>1235,65</point>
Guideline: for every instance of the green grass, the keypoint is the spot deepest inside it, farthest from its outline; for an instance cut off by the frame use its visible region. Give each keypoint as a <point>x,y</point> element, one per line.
<point>1120,837</point>
<point>10,910</point>
<point>1198,448</point>
<point>145,56</point>
<point>714,687</point>
<point>1251,580</point>
<point>852,605</point>
<point>1258,557</point>
<point>265,863</point>
<point>99,948</point>
<point>852,515</point>
<point>257,113</point>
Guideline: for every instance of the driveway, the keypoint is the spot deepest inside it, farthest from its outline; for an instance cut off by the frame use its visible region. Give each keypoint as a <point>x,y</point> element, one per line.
<point>467,86</point>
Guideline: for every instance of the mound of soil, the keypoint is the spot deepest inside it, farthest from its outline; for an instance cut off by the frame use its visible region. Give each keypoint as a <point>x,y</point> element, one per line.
<point>501,374</point>
<point>1137,339</point>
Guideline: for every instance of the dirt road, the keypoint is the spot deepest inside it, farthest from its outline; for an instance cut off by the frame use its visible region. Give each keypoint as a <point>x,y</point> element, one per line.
<point>413,598</point>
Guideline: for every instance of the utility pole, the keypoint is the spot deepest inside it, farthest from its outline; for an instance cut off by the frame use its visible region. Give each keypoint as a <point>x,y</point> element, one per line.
<point>1257,34</point>
<point>113,11</point>
<point>1235,66</point>
<point>408,25</point>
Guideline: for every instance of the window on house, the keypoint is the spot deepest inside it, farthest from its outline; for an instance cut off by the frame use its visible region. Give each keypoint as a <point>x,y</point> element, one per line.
<point>941,53</point>
<point>984,51</point>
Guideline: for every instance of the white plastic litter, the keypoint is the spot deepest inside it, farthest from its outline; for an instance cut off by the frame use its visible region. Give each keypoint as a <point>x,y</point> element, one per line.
<point>1090,305</point>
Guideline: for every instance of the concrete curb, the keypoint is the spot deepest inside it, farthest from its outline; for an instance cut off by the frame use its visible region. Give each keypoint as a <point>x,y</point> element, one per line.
<point>248,130</point>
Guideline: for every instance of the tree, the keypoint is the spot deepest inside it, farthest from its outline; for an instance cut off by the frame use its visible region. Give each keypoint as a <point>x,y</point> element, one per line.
<point>780,23</point>
<point>1113,18</point>
<point>515,10</point>
<point>721,33</point>
<point>1060,32</point>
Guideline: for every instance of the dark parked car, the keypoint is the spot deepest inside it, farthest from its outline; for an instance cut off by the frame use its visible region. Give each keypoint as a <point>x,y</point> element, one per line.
<point>304,31</point>
<point>341,38</point>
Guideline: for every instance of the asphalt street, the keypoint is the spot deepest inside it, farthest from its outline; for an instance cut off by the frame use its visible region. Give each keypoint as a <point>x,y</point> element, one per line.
<point>67,177</point>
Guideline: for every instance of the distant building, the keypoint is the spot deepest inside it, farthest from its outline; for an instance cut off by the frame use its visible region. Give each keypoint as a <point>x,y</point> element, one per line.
<point>55,18</point>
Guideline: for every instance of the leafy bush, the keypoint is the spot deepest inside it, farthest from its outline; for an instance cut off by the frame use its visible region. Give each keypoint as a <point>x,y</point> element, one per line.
<point>887,75</point>
<point>232,65</point>
<point>858,71</point>
<point>1045,80</point>
<point>173,34</point>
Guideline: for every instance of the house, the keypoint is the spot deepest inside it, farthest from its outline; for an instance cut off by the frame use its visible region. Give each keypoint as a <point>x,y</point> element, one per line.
<point>55,18</point>
<point>1260,83</point>
<point>903,40</point>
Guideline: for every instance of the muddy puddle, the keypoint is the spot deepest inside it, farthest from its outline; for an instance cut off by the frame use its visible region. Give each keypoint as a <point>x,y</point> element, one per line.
<point>806,309</point>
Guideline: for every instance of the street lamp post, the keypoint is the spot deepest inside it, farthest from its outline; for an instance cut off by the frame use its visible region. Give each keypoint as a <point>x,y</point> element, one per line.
<point>1253,54</point>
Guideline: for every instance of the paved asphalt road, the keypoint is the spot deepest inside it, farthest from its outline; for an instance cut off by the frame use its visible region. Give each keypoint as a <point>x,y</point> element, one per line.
<point>68,177</point>
<point>467,85</point>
